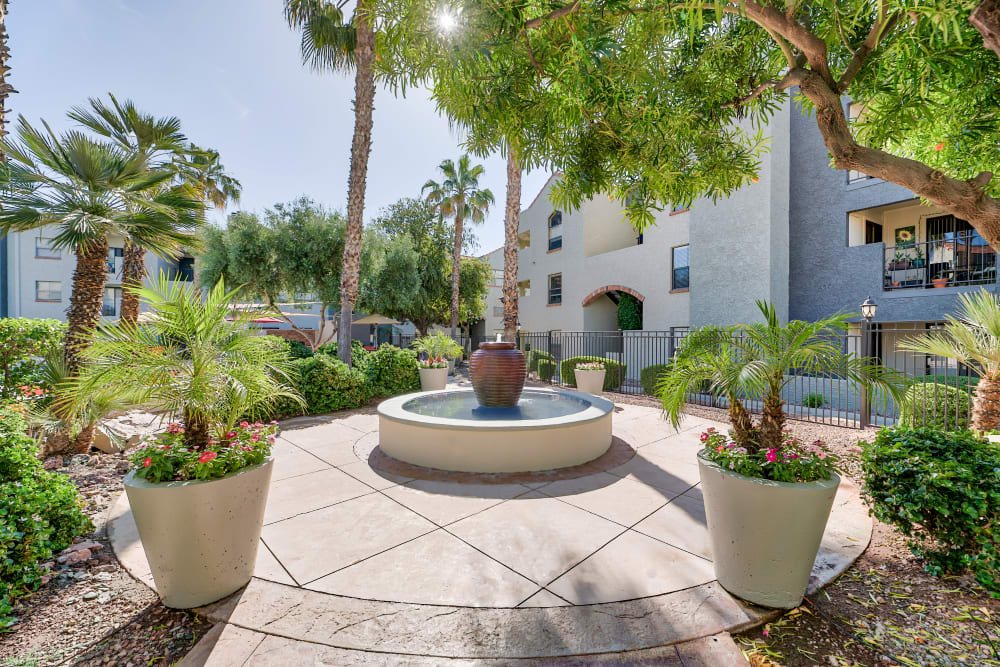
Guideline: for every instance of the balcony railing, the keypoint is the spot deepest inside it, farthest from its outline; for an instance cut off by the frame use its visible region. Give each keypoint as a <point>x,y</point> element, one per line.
<point>963,259</point>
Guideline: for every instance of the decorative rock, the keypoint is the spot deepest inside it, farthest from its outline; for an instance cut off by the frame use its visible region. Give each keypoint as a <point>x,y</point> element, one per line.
<point>89,595</point>
<point>79,546</point>
<point>53,463</point>
<point>104,598</point>
<point>108,568</point>
<point>102,576</point>
<point>81,556</point>
<point>81,459</point>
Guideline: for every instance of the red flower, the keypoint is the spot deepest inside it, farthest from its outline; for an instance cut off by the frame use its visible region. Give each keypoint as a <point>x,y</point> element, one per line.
<point>939,147</point>
<point>148,462</point>
<point>206,457</point>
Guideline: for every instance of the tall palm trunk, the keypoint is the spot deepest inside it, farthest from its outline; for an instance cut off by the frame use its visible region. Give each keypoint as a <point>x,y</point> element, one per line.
<point>986,405</point>
<point>456,264</point>
<point>5,88</point>
<point>133,273</point>
<point>364,103</point>
<point>511,226</point>
<point>84,313</point>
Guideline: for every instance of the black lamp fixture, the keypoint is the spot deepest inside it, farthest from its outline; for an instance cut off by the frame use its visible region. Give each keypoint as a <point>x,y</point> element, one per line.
<point>868,309</point>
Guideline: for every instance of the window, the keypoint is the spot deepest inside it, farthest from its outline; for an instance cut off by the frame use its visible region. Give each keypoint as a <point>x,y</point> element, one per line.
<point>555,231</point>
<point>44,249</point>
<point>524,288</point>
<point>497,311</point>
<point>112,301</point>
<point>873,232</point>
<point>679,277</point>
<point>48,290</point>
<point>679,208</point>
<point>555,289</point>
<point>854,112</point>
<point>114,260</point>
<point>497,277</point>
<point>185,269</point>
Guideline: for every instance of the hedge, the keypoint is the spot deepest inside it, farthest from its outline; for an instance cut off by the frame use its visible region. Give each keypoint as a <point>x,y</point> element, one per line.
<point>40,513</point>
<point>358,351</point>
<point>535,357</point>
<point>390,370</point>
<point>935,405</point>
<point>614,372</point>
<point>546,368</point>
<point>649,377</point>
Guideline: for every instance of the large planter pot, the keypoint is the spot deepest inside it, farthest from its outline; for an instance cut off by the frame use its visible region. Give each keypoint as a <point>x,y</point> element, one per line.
<point>765,535</point>
<point>591,382</point>
<point>497,372</point>
<point>200,537</point>
<point>433,379</point>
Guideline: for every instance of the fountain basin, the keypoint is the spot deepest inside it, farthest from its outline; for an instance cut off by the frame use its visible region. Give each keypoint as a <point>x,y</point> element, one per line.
<point>448,430</point>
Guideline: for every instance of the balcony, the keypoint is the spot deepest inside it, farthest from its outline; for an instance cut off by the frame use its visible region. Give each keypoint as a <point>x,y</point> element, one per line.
<point>964,258</point>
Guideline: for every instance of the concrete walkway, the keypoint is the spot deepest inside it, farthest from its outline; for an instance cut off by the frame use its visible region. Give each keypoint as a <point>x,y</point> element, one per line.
<point>362,564</point>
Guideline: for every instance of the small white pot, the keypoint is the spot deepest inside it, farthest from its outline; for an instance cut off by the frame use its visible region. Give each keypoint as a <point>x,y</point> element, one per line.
<point>433,379</point>
<point>200,537</point>
<point>765,535</point>
<point>451,367</point>
<point>591,382</point>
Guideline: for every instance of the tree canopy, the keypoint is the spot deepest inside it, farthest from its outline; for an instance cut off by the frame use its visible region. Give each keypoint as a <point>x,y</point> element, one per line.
<point>662,102</point>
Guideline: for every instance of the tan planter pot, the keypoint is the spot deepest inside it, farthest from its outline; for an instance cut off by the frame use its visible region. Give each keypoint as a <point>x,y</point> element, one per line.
<point>764,534</point>
<point>433,379</point>
<point>590,382</point>
<point>200,537</point>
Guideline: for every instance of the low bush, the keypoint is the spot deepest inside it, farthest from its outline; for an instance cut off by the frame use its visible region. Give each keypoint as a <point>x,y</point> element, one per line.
<point>328,384</point>
<point>935,405</point>
<point>546,368</point>
<point>40,513</point>
<point>614,372</point>
<point>358,351</point>
<point>941,490</point>
<point>814,400</point>
<point>650,376</point>
<point>534,357</point>
<point>390,370</point>
<point>299,350</point>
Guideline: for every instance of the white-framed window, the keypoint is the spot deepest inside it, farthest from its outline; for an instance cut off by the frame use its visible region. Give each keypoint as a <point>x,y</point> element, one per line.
<point>497,311</point>
<point>48,290</point>
<point>497,277</point>
<point>44,249</point>
<point>111,307</point>
<point>555,231</point>
<point>555,289</point>
<point>854,112</point>
<point>681,264</point>
<point>115,258</point>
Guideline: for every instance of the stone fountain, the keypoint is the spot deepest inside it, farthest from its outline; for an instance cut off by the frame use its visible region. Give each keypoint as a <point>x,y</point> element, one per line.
<point>498,426</point>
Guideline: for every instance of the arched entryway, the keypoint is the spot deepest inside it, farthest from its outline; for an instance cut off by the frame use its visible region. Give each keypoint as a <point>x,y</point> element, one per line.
<point>601,307</point>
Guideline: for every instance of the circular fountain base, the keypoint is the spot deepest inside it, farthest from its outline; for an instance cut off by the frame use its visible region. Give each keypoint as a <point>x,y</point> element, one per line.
<point>548,429</point>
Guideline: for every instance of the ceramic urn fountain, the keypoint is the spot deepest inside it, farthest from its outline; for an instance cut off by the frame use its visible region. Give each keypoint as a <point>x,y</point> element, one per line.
<point>497,371</point>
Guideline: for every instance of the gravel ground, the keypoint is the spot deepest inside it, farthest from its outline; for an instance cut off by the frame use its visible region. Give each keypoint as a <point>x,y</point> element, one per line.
<point>65,621</point>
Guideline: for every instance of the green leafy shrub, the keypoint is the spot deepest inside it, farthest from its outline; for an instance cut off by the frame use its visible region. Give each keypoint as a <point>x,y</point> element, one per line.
<point>629,313</point>
<point>24,343</point>
<point>390,370</point>
<point>614,372</point>
<point>649,377</point>
<point>936,406</point>
<point>40,513</point>
<point>546,368</point>
<point>328,384</point>
<point>941,490</point>
<point>814,400</point>
<point>358,351</point>
<point>535,357</point>
<point>298,350</point>
<point>968,382</point>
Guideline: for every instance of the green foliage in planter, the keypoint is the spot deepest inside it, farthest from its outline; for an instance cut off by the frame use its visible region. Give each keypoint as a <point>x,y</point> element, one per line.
<point>534,357</point>
<point>390,370</point>
<point>328,384</point>
<point>546,368</point>
<point>629,313</point>
<point>942,490</point>
<point>24,342</point>
<point>935,405</point>
<point>614,372</point>
<point>650,376</point>
<point>40,513</point>
<point>814,400</point>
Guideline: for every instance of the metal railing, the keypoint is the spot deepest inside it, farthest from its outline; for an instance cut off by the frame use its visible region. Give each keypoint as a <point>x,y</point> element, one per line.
<point>964,259</point>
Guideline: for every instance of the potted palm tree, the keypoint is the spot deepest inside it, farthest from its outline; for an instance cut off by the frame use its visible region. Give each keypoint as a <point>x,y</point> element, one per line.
<point>438,348</point>
<point>767,495</point>
<point>972,338</point>
<point>198,489</point>
<point>590,377</point>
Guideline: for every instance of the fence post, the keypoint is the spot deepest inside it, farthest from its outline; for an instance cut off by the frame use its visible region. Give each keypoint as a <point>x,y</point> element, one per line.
<point>864,408</point>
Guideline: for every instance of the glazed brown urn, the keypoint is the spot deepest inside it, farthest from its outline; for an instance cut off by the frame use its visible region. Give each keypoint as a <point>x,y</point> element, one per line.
<point>497,371</point>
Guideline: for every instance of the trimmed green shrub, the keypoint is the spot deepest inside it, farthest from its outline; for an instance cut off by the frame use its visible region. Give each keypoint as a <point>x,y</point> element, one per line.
<point>536,356</point>
<point>935,405</point>
<point>650,376</point>
<point>961,381</point>
<point>546,369</point>
<point>390,370</point>
<point>328,384</point>
<point>629,313</point>
<point>298,350</point>
<point>814,400</point>
<point>358,351</point>
<point>941,490</point>
<point>614,372</point>
<point>40,513</point>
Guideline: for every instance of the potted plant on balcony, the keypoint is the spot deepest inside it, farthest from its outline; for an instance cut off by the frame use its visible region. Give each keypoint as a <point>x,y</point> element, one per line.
<point>434,367</point>
<point>590,377</point>
<point>767,495</point>
<point>918,261</point>
<point>199,488</point>
<point>939,280</point>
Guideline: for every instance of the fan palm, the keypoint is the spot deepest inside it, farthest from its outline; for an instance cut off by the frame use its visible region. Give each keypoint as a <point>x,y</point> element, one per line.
<point>459,196</point>
<point>190,360</point>
<point>87,190</point>
<point>511,228</point>
<point>971,337</point>
<point>331,43</point>
<point>757,361</point>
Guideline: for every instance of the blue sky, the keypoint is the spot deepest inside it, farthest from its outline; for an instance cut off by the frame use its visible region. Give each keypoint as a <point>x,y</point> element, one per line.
<point>230,70</point>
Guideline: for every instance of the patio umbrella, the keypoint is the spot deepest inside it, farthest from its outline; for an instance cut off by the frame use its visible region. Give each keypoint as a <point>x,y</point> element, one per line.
<point>373,321</point>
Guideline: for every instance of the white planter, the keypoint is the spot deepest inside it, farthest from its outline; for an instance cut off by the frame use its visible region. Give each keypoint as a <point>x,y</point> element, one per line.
<point>200,537</point>
<point>591,382</point>
<point>433,379</point>
<point>765,535</point>
<point>451,367</point>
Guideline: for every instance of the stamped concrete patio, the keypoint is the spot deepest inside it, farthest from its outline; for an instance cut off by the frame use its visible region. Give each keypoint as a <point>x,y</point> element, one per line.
<point>363,559</point>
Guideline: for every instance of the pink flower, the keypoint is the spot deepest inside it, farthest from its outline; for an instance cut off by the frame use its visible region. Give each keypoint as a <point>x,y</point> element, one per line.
<point>38,391</point>
<point>772,455</point>
<point>206,457</point>
<point>720,448</point>
<point>148,462</point>
<point>231,434</point>
<point>704,437</point>
<point>939,146</point>
<point>244,424</point>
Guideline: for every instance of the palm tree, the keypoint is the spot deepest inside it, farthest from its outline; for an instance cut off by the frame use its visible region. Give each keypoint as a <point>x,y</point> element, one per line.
<point>511,227</point>
<point>330,43</point>
<point>88,190</point>
<point>757,361</point>
<point>971,337</point>
<point>191,360</point>
<point>5,88</point>
<point>459,196</point>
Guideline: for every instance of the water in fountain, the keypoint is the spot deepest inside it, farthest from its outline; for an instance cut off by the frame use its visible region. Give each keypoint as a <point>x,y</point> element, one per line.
<point>464,405</point>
